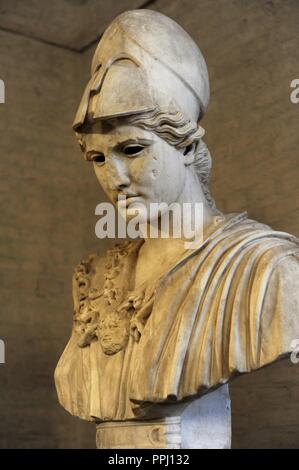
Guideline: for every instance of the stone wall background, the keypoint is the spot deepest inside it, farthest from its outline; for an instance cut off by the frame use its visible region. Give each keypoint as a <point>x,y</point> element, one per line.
<point>48,196</point>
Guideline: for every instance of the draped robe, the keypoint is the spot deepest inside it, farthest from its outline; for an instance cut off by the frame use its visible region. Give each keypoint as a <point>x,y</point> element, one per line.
<point>226,307</point>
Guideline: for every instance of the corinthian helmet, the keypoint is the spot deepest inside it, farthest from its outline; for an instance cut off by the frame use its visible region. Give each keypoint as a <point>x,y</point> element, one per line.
<point>145,62</point>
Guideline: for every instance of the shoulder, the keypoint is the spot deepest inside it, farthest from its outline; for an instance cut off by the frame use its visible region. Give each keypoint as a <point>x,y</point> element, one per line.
<point>284,281</point>
<point>288,268</point>
<point>281,304</point>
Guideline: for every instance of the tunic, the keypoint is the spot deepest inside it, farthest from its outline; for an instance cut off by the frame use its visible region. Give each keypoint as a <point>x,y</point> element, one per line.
<point>227,307</point>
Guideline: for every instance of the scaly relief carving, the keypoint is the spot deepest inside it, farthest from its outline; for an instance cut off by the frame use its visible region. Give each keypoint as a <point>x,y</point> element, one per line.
<point>102,313</point>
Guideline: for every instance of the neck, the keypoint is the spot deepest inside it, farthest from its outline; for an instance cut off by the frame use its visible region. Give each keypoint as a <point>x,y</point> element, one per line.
<point>192,203</point>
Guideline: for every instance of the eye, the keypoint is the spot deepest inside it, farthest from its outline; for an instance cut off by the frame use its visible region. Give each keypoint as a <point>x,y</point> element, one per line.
<point>133,149</point>
<point>100,158</point>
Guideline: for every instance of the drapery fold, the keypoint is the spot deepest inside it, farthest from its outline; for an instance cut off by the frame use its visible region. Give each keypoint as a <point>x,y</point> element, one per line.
<point>228,307</point>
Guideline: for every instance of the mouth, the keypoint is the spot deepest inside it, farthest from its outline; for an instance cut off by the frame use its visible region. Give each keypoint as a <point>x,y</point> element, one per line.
<point>124,200</point>
<point>106,339</point>
<point>132,199</point>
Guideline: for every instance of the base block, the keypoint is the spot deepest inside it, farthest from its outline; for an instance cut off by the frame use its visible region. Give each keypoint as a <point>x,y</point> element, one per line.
<point>203,423</point>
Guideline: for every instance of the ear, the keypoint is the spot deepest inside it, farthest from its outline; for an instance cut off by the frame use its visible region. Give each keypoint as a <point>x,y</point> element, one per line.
<point>189,154</point>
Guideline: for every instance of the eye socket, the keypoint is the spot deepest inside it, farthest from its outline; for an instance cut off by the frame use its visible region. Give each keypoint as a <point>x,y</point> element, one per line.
<point>82,145</point>
<point>133,149</point>
<point>188,149</point>
<point>100,158</point>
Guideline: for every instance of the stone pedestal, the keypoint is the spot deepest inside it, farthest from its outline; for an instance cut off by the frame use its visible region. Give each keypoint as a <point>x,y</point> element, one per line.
<point>204,423</point>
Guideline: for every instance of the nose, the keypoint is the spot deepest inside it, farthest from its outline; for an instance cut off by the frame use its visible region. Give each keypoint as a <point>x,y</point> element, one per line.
<point>118,173</point>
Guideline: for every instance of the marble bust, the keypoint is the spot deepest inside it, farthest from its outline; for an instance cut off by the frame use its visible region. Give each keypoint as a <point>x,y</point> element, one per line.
<point>157,329</point>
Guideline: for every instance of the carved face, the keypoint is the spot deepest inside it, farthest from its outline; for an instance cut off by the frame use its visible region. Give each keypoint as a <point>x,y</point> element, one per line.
<point>113,333</point>
<point>136,164</point>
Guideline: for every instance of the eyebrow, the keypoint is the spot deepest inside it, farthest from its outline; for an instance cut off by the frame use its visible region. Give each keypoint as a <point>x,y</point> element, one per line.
<point>137,140</point>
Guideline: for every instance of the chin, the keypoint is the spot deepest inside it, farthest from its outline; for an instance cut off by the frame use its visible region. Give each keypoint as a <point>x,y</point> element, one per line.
<point>138,210</point>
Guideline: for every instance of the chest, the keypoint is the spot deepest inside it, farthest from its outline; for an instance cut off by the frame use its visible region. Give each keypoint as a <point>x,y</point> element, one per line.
<point>150,267</point>
<point>147,270</point>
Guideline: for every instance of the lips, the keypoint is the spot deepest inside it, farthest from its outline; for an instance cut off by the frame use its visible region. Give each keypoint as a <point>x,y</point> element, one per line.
<point>126,199</point>
<point>131,199</point>
<point>106,338</point>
